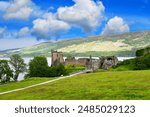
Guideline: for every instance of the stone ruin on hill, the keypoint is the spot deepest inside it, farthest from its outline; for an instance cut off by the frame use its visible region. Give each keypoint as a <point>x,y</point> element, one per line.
<point>94,64</point>
<point>57,58</point>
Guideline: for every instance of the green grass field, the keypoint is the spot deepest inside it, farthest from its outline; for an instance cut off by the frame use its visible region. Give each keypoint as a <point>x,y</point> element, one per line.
<point>111,85</point>
<point>22,84</point>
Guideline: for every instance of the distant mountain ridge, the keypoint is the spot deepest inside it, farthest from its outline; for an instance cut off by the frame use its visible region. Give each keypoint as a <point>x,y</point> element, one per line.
<point>119,45</point>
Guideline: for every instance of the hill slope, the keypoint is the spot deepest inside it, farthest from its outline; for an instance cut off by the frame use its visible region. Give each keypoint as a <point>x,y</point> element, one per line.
<point>120,45</point>
<point>118,85</point>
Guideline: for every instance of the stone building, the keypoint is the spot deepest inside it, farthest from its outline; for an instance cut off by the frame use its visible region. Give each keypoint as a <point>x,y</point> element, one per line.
<point>94,64</point>
<point>57,58</point>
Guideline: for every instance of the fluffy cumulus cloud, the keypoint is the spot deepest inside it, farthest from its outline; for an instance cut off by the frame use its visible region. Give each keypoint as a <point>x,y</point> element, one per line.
<point>86,14</point>
<point>18,9</point>
<point>116,25</point>
<point>23,32</point>
<point>48,26</point>
<point>2,32</point>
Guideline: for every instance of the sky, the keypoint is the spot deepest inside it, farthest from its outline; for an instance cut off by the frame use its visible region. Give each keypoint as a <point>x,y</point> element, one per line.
<point>25,23</point>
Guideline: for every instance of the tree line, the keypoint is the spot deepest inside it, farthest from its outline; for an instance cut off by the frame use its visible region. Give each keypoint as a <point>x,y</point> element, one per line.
<point>38,67</point>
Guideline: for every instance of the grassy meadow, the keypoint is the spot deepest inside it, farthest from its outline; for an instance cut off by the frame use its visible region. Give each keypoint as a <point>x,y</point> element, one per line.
<point>22,84</point>
<point>109,85</point>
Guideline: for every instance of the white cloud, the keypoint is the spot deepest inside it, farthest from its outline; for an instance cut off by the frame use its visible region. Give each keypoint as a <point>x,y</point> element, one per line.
<point>19,9</point>
<point>116,25</point>
<point>2,32</point>
<point>4,5</point>
<point>86,14</point>
<point>23,32</point>
<point>48,26</point>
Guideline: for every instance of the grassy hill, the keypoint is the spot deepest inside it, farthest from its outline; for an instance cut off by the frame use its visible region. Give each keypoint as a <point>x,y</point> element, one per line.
<point>119,45</point>
<point>111,85</point>
<point>21,84</point>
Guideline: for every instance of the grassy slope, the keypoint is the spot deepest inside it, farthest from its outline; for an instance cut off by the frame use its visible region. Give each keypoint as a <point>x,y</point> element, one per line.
<point>22,84</point>
<point>101,85</point>
<point>95,46</point>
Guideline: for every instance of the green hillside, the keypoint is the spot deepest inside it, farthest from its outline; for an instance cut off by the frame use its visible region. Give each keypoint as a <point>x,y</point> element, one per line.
<point>21,84</point>
<point>112,85</point>
<point>119,45</point>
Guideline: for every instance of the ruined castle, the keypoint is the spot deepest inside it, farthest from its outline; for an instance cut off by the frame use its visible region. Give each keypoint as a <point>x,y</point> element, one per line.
<point>103,62</point>
<point>57,58</point>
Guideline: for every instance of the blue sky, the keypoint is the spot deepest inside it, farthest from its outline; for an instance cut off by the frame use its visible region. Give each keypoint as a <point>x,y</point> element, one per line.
<point>27,22</point>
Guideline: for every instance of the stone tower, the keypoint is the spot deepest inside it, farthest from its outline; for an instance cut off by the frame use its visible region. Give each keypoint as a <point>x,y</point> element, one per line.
<point>57,58</point>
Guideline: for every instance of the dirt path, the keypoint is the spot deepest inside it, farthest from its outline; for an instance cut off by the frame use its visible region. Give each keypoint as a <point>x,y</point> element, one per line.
<point>20,89</point>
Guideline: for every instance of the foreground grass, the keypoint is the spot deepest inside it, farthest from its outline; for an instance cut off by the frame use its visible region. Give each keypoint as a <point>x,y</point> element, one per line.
<point>21,84</point>
<point>110,85</point>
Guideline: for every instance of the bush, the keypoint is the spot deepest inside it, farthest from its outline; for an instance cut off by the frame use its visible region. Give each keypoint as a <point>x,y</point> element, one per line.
<point>56,71</point>
<point>143,52</point>
<point>74,68</point>
<point>38,67</point>
<point>140,63</point>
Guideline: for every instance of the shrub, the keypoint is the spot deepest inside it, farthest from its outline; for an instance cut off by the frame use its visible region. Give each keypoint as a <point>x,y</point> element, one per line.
<point>140,63</point>
<point>143,52</point>
<point>56,71</point>
<point>38,67</point>
<point>74,68</point>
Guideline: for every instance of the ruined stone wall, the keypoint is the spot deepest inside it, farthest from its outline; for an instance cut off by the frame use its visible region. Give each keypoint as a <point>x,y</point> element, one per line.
<point>71,62</point>
<point>95,64</point>
<point>81,61</point>
<point>108,62</point>
<point>103,62</point>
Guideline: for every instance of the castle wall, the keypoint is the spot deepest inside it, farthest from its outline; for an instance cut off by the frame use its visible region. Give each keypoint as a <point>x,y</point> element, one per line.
<point>81,61</point>
<point>71,62</point>
<point>108,62</point>
<point>102,62</point>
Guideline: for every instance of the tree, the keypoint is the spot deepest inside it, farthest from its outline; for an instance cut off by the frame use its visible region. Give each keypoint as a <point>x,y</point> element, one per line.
<point>18,65</point>
<point>5,72</point>
<point>143,52</point>
<point>56,71</point>
<point>38,67</point>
